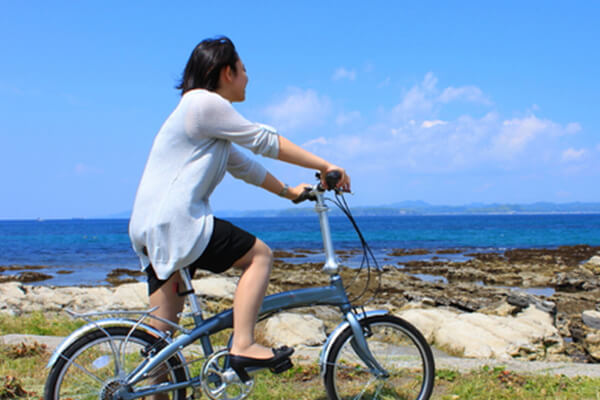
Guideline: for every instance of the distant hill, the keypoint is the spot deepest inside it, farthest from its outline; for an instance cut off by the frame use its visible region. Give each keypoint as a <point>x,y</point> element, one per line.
<point>424,208</point>
<point>420,208</point>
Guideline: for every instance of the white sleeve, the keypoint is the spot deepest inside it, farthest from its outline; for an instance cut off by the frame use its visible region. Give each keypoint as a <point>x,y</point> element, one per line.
<point>243,167</point>
<point>217,118</point>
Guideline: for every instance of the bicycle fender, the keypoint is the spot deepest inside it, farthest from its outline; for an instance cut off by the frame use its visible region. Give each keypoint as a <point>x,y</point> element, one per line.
<point>106,323</point>
<point>338,331</point>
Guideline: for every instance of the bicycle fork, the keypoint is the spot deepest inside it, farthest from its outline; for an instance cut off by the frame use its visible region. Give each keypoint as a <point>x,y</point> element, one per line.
<point>361,348</point>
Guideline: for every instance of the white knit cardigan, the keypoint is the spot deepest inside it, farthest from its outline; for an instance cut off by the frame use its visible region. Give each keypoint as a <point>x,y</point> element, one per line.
<point>171,222</point>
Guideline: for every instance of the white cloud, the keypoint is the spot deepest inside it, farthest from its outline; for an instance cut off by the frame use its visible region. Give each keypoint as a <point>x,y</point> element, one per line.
<point>463,144</point>
<point>299,108</point>
<point>465,93</point>
<point>346,118</point>
<point>320,141</point>
<point>429,82</point>
<point>431,124</point>
<point>413,137</point>
<point>424,99</point>
<point>571,154</point>
<point>415,102</point>
<point>572,128</point>
<point>516,134</point>
<point>343,73</point>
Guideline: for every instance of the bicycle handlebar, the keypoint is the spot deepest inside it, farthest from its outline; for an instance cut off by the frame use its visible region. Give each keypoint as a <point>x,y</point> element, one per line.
<point>331,179</point>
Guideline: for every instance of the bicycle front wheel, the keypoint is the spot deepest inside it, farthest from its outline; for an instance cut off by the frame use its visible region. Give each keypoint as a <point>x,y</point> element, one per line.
<point>93,366</point>
<point>397,346</point>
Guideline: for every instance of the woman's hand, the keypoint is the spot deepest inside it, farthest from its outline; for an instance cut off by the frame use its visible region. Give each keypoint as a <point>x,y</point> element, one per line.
<point>295,192</point>
<point>344,182</point>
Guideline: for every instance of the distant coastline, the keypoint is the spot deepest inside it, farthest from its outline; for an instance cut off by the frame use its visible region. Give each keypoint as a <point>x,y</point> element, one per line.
<point>406,208</point>
<point>418,208</point>
<point>421,208</point>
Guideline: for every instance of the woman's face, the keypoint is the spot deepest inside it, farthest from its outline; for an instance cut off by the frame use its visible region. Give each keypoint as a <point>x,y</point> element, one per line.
<point>239,82</point>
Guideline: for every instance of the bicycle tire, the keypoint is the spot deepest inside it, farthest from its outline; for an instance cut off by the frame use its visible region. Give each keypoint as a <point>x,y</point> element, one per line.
<point>93,352</point>
<point>398,347</point>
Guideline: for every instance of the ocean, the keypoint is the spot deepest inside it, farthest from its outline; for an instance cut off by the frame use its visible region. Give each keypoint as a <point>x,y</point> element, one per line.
<point>84,251</point>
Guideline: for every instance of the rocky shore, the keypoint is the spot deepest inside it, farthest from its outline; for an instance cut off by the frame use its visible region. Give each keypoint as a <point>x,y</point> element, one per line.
<point>529,304</point>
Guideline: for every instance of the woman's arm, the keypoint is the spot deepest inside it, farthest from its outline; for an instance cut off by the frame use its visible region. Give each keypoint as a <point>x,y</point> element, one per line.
<point>294,154</point>
<point>274,185</point>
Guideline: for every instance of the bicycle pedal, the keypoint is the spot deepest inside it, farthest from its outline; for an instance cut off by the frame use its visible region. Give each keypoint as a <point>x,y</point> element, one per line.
<point>282,366</point>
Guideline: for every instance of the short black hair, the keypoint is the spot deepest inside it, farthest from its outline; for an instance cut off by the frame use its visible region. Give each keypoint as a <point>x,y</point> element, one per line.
<point>204,66</point>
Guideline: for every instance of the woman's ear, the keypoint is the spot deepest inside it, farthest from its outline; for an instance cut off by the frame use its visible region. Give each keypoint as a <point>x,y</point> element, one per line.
<point>227,74</point>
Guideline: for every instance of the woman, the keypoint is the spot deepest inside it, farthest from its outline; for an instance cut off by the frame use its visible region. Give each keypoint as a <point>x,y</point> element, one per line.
<point>172,225</point>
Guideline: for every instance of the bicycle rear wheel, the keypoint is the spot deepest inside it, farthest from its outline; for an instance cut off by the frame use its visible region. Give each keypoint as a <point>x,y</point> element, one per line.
<point>93,366</point>
<point>398,347</point>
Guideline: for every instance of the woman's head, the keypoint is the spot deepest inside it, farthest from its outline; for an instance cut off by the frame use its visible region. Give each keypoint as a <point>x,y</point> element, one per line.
<point>205,65</point>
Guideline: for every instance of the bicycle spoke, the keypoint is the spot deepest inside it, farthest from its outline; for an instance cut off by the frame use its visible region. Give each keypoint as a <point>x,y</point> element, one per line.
<point>82,369</point>
<point>359,396</point>
<point>379,388</point>
<point>394,344</point>
<point>87,369</point>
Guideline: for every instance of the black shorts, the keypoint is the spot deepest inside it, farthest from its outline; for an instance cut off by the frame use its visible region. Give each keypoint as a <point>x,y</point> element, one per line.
<point>227,244</point>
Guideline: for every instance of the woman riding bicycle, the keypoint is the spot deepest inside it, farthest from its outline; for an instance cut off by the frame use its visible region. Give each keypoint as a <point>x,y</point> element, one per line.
<point>172,225</point>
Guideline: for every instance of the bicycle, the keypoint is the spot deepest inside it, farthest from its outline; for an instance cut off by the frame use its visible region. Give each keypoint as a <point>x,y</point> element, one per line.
<point>370,355</point>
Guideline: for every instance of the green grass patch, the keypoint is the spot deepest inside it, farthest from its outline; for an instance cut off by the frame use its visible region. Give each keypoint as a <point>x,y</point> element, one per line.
<point>22,372</point>
<point>502,384</point>
<point>39,323</point>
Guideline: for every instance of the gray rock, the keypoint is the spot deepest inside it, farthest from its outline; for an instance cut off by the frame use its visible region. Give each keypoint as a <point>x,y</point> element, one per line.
<point>50,341</point>
<point>594,260</point>
<point>294,329</point>
<point>524,300</point>
<point>219,287</point>
<point>591,318</point>
<point>529,335</point>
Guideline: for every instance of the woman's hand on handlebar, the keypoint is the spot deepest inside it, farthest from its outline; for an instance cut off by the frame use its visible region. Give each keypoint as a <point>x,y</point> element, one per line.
<point>344,182</point>
<point>295,192</point>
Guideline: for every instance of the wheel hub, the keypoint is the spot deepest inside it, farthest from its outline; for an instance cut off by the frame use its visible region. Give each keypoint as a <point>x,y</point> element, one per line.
<point>110,388</point>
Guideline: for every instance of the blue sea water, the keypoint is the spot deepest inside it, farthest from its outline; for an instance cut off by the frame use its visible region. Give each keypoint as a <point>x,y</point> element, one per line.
<point>90,249</point>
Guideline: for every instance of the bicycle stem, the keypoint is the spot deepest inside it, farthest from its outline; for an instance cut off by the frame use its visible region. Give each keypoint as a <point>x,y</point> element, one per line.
<point>331,266</point>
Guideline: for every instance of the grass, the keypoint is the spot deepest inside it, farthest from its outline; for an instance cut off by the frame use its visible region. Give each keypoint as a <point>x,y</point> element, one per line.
<point>501,384</point>
<point>39,323</point>
<point>22,374</point>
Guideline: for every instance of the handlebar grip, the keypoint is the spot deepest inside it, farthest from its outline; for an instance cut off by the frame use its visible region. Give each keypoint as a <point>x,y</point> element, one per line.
<point>332,178</point>
<point>305,195</point>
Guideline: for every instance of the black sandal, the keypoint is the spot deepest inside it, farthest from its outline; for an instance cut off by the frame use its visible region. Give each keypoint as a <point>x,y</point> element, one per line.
<point>277,364</point>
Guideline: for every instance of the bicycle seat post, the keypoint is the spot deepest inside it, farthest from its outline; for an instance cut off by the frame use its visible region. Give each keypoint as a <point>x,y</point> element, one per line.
<point>195,307</point>
<point>191,296</point>
<point>331,266</point>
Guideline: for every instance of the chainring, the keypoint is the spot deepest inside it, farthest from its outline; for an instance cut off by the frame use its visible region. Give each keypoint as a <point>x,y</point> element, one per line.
<point>220,382</point>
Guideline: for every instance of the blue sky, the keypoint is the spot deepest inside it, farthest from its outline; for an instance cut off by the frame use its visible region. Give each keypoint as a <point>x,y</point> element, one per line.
<point>450,104</point>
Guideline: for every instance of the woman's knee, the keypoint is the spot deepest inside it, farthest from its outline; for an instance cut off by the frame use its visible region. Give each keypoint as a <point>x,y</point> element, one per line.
<point>260,253</point>
<point>264,251</point>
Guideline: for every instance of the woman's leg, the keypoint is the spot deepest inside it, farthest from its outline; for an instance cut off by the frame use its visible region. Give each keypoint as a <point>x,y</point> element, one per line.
<point>249,295</point>
<point>170,305</point>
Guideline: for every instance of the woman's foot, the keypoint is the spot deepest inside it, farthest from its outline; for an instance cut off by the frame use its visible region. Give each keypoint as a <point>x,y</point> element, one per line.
<point>255,350</point>
<point>278,361</point>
